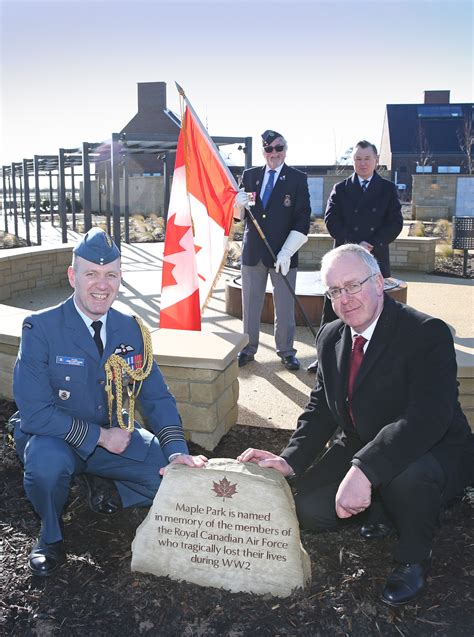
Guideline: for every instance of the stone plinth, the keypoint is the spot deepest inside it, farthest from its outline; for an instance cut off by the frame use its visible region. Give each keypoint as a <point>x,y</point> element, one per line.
<point>229,525</point>
<point>202,373</point>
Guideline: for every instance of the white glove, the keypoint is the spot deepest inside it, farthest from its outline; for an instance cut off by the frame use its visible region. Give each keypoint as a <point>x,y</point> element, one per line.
<point>293,243</point>
<point>241,199</point>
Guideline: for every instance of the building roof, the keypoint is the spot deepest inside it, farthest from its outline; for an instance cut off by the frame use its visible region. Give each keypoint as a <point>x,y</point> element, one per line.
<point>434,126</point>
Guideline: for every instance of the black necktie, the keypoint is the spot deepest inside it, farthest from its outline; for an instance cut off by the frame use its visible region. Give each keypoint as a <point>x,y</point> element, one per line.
<point>97,326</point>
<point>364,184</point>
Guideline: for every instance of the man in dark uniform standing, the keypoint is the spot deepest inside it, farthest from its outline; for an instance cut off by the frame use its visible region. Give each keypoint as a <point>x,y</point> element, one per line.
<point>73,357</point>
<point>363,209</point>
<point>383,424</point>
<point>282,209</point>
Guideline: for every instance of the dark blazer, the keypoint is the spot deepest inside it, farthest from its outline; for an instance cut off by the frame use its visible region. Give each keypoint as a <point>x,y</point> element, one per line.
<point>59,382</point>
<point>405,399</point>
<point>288,209</point>
<point>375,216</point>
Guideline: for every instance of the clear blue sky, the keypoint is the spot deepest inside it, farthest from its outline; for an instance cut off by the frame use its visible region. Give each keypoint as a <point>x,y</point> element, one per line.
<point>319,72</point>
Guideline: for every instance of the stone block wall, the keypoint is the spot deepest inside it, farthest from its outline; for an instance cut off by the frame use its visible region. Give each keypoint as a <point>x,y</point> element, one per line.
<point>207,400</point>
<point>406,253</point>
<point>44,267</point>
<point>413,253</point>
<point>202,373</point>
<point>434,196</point>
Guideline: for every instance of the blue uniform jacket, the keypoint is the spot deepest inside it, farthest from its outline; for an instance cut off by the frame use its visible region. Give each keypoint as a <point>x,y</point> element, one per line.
<point>59,382</point>
<point>288,209</point>
<point>375,216</point>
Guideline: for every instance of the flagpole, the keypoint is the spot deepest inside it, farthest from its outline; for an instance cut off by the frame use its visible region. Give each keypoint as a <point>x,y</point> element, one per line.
<point>206,135</point>
<point>254,221</point>
<point>272,254</point>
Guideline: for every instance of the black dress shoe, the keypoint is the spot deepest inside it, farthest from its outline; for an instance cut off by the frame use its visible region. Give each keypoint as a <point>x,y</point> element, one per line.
<point>45,558</point>
<point>102,494</point>
<point>243,358</point>
<point>375,531</point>
<point>313,368</point>
<point>405,582</point>
<point>291,362</point>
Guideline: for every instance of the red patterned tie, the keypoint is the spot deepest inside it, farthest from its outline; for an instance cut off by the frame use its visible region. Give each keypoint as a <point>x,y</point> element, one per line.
<point>357,355</point>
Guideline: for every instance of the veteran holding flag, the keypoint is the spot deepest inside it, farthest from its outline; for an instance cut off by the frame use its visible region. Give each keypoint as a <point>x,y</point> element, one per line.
<point>281,205</point>
<point>74,363</point>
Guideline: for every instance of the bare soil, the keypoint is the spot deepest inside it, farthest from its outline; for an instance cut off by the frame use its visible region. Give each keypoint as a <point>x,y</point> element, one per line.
<point>95,593</point>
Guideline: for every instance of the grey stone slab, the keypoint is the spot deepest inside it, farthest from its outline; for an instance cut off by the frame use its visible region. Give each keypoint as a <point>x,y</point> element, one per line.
<point>229,525</point>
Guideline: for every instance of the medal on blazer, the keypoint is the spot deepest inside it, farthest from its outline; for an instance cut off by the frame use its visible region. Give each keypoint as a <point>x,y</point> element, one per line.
<point>287,201</point>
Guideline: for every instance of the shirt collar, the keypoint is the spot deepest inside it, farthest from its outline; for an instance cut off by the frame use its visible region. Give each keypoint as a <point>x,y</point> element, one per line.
<point>277,171</point>
<point>88,321</point>
<point>367,180</point>
<point>368,332</point>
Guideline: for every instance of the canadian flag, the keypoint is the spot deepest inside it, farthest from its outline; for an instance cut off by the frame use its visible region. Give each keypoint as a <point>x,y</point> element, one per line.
<point>199,222</point>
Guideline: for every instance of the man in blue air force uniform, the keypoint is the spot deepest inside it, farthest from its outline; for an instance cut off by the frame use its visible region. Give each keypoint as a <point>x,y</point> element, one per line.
<point>65,425</point>
<point>282,209</point>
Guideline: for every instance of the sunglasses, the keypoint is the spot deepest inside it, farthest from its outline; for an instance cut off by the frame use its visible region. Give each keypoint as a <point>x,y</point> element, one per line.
<point>277,149</point>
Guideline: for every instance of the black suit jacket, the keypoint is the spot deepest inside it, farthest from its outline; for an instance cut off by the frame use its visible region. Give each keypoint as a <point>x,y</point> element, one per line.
<point>288,209</point>
<point>405,399</point>
<point>375,216</point>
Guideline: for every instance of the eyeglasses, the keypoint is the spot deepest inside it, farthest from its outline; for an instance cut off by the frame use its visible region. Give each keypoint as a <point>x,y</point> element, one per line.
<point>351,288</point>
<point>270,149</point>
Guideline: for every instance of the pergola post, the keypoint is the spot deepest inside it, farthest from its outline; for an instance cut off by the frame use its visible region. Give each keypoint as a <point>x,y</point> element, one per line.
<point>115,185</point>
<point>87,203</point>
<point>73,198</point>
<point>15,207</point>
<point>4,193</point>
<point>26,186</point>
<point>62,196</point>
<point>37,199</point>
<point>126,202</point>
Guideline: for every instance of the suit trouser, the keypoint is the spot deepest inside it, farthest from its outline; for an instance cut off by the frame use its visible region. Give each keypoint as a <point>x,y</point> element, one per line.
<point>50,465</point>
<point>412,499</point>
<point>254,283</point>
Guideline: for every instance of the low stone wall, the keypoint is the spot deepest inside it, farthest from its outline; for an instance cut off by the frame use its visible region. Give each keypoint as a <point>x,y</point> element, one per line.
<point>406,253</point>
<point>205,385</point>
<point>430,213</point>
<point>43,267</point>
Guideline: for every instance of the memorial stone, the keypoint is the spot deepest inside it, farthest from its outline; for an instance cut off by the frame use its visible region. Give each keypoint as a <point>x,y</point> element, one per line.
<point>230,525</point>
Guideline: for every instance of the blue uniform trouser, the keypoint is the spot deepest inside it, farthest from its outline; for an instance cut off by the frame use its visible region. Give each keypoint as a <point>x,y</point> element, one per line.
<point>50,465</point>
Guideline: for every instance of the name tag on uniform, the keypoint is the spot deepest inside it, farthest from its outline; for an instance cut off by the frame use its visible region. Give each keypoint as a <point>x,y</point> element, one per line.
<point>70,360</point>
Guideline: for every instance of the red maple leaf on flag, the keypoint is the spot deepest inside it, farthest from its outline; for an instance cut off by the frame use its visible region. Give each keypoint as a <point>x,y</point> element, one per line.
<point>168,267</point>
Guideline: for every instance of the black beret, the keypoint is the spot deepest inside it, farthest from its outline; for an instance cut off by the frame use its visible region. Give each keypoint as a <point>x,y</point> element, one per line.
<point>269,136</point>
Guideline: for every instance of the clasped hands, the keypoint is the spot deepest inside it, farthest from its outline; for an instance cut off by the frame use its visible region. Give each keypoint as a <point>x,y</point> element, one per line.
<point>353,495</point>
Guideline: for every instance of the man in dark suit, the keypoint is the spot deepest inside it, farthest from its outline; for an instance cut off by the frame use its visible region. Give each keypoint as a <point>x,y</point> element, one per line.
<point>280,199</point>
<point>386,398</point>
<point>363,209</point>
